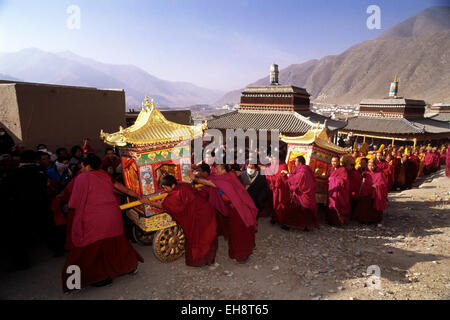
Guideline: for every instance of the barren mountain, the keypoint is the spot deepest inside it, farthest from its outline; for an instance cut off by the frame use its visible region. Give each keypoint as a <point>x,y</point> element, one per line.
<point>66,68</point>
<point>418,50</point>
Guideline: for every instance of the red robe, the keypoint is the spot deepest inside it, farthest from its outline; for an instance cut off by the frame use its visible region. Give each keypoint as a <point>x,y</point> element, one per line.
<point>355,185</point>
<point>302,210</point>
<point>373,198</point>
<point>277,183</point>
<point>106,162</point>
<point>414,168</point>
<point>240,213</point>
<point>447,168</point>
<point>198,220</point>
<point>384,167</point>
<point>339,197</point>
<point>396,164</point>
<point>280,194</point>
<point>437,160</point>
<point>100,250</point>
<point>429,163</point>
<point>442,158</point>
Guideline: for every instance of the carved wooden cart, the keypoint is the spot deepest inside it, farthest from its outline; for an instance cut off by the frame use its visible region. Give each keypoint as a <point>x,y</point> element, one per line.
<point>317,150</point>
<point>149,149</point>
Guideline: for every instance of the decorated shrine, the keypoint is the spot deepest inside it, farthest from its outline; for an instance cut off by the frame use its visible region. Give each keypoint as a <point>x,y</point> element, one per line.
<point>317,150</point>
<point>151,148</point>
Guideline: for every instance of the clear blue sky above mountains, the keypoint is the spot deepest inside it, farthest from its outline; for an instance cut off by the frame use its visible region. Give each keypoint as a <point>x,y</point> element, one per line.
<point>215,44</point>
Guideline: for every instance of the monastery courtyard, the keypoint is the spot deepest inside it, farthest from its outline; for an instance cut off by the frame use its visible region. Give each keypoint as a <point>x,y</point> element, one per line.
<point>410,247</point>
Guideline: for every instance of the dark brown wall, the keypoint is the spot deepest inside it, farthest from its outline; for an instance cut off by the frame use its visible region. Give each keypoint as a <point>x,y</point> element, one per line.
<point>61,116</point>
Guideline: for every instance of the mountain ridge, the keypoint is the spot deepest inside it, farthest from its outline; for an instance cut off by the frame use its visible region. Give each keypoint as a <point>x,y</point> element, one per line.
<point>67,68</point>
<point>419,57</point>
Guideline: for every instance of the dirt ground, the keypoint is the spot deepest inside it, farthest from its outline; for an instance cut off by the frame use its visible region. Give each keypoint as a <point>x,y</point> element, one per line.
<point>411,249</point>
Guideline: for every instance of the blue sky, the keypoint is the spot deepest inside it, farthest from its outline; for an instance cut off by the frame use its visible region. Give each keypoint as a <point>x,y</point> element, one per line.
<point>215,44</point>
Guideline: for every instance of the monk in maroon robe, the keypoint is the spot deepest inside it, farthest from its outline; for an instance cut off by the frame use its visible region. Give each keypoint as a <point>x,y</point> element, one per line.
<point>373,196</point>
<point>390,172</point>
<point>339,207</point>
<point>447,162</point>
<point>280,195</point>
<point>414,168</point>
<point>429,162</point>
<point>443,156</point>
<point>355,178</point>
<point>382,164</point>
<point>302,212</point>
<point>437,159</point>
<point>100,247</point>
<point>231,199</point>
<point>197,218</point>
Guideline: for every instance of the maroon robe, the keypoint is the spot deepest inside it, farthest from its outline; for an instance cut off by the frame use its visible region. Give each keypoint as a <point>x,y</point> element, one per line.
<point>339,207</point>
<point>100,247</point>
<point>198,220</point>
<point>437,160</point>
<point>396,165</point>
<point>232,200</point>
<point>411,170</point>
<point>447,167</point>
<point>280,195</point>
<point>442,158</point>
<point>302,210</point>
<point>384,167</point>
<point>429,163</point>
<point>373,198</point>
<point>355,185</point>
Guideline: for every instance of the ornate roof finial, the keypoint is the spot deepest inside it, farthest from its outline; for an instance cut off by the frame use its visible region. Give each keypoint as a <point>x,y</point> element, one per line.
<point>147,102</point>
<point>394,88</point>
<point>274,74</point>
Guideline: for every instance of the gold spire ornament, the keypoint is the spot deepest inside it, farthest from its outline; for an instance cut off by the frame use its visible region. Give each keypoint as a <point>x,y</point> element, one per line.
<point>151,127</point>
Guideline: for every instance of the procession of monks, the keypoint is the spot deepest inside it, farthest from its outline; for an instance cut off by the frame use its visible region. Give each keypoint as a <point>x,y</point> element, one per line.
<point>358,185</point>
<point>227,205</point>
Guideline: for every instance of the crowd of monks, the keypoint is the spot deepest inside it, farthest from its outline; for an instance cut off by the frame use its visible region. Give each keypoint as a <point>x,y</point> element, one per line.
<point>229,202</point>
<point>358,186</point>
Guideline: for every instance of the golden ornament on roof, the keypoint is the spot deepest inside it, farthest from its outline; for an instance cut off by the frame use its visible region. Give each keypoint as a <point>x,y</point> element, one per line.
<point>151,127</point>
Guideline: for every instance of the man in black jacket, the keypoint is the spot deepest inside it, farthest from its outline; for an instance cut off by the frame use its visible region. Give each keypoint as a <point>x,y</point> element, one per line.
<point>29,211</point>
<point>256,185</point>
<point>6,142</point>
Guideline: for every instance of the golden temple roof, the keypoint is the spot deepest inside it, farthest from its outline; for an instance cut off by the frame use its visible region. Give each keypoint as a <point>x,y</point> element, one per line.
<point>316,135</point>
<point>151,127</point>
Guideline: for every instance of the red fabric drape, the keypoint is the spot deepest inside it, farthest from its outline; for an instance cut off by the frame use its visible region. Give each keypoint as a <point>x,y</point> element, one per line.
<point>97,213</point>
<point>239,198</point>
<point>198,220</point>
<point>339,197</point>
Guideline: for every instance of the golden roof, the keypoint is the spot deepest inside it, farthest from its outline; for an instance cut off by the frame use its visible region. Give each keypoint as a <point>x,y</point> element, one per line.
<point>316,135</point>
<point>151,127</point>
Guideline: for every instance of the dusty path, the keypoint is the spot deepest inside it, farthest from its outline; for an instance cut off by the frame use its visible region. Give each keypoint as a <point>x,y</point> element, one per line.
<point>411,249</point>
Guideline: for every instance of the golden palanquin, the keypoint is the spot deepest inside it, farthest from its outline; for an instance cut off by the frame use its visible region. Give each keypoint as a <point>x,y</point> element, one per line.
<point>151,148</point>
<point>317,150</point>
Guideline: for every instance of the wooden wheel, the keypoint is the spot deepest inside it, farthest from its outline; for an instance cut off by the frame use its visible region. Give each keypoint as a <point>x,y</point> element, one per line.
<point>168,244</point>
<point>141,237</point>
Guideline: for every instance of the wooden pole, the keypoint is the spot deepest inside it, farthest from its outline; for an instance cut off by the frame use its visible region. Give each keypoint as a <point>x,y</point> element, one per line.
<point>154,198</point>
